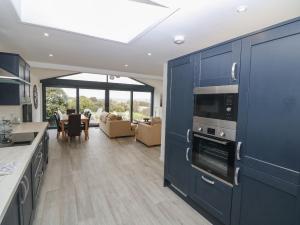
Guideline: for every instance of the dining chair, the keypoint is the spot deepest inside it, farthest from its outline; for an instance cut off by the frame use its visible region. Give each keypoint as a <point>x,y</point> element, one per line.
<point>57,121</point>
<point>70,111</point>
<point>74,125</point>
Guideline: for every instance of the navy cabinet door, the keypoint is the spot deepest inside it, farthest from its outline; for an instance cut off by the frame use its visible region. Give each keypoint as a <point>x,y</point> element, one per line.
<point>219,65</point>
<point>26,202</point>
<point>12,216</point>
<point>268,127</point>
<point>179,121</point>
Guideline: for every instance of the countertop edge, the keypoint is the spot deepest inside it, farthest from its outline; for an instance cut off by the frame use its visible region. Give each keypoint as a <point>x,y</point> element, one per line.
<point>34,145</point>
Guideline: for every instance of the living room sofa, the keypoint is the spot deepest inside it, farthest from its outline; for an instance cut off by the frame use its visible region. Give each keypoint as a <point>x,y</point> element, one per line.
<point>114,126</point>
<point>149,133</point>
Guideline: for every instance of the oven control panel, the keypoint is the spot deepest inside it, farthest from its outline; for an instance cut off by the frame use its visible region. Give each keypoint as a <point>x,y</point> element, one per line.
<point>220,129</point>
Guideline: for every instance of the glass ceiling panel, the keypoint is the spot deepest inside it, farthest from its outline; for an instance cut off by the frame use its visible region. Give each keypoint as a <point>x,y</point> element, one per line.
<point>116,20</point>
<point>85,77</point>
<point>123,80</point>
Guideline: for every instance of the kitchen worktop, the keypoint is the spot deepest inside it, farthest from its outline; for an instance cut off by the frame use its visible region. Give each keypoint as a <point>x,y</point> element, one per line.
<point>21,155</point>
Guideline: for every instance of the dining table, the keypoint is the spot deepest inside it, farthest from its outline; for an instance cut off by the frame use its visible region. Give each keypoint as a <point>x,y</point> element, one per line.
<point>65,120</point>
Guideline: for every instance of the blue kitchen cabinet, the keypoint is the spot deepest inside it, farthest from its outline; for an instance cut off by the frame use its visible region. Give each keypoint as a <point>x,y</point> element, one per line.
<point>18,93</point>
<point>219,65</point>
<point>268,124</point>
<point>211,195</point>
<point>179,122</point>
<point>12,216</point>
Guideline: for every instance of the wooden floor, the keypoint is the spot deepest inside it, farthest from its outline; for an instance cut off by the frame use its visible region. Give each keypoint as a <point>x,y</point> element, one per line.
<point>106,181</point>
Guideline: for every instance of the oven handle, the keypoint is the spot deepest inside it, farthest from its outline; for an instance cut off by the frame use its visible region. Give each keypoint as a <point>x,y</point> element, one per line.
<point>211,139</point>
<point>207,180</point>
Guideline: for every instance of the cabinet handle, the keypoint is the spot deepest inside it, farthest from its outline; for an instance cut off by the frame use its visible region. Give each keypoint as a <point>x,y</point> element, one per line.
<point>207,180</point>
<point>27,181</point>
<point>238,150</point>
<point>26,192</point>
<point>188,135</point>
<point>236,176</point>
<point>187,154</point>
<point>233,71</point>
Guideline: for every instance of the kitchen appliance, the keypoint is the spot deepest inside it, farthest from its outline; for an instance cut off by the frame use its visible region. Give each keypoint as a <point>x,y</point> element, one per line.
<point>7,77</point>
<point>5,132</point>
<point>27,112</point>
<point>215,111</point>
<point>214,131</point>
<point>19,139</point>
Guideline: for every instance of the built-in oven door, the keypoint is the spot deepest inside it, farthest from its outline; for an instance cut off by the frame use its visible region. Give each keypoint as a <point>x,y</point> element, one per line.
<point>214,156</point>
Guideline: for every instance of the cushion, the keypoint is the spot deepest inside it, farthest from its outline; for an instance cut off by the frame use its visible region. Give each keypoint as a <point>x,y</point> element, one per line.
<point>112,117</point>
<point>103,116</point>
<point>155,120</point>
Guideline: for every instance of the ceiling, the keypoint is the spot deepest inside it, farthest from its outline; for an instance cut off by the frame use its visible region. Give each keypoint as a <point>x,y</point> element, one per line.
<point>203,24</point>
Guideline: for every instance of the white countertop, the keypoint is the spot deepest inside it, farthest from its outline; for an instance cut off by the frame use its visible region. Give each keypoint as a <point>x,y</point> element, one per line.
<point>21,155</point>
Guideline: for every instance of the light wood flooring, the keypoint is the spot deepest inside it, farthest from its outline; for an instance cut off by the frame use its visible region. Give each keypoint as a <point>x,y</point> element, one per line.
<point>106,181</point>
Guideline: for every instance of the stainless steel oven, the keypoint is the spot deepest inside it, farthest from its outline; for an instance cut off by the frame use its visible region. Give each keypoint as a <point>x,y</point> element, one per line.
<point>214,130</point>
<point>214,156</point>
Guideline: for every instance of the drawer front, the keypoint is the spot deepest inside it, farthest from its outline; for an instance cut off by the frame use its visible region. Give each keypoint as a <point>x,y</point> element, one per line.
<point>36,157</point>
<point>212,195</point>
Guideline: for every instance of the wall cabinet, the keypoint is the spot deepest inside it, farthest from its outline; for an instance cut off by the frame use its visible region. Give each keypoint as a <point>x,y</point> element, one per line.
<point>219,65</point>
<point>266,66</point>
<point>179,121</point>
<point>18,93</point>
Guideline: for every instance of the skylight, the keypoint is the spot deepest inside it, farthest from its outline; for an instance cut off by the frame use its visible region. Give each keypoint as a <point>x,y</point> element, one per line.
<point>85,77</point>
<point>117,20</point>
<point>101,78</point>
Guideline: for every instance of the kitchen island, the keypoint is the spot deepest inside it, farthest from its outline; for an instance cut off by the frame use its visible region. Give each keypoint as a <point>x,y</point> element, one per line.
<point>22,156</point>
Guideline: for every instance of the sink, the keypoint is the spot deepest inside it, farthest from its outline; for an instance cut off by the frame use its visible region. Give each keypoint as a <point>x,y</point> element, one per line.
<point>20,139</point>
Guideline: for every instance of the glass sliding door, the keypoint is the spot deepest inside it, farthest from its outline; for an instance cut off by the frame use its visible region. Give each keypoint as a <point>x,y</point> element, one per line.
<point>119,103</point>
<point>92,100</point>
<point>141,105</point>
<point>59,99</point>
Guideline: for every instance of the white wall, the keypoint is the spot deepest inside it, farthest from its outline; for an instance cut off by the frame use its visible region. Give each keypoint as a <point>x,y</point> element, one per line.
<point>158,91</point>
<point>37,115</point>
<point>164,113</point>
<point>10,112</point>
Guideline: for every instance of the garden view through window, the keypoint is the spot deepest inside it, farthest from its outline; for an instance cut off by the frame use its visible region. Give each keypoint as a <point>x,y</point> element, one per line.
<point>127,102</point>
<point>141,105</point>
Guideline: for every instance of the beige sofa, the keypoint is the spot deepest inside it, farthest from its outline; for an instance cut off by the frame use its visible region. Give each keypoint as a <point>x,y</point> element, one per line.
<point>114,126</point>
<point>149,134</point>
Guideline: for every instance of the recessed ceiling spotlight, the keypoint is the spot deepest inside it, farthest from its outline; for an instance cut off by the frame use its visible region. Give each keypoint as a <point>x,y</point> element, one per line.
<point>242,8</point>
<point>126,65</point>
<point>179,39</point>
<point>149,53</point>
<point>50,55</point>
<point>46,34</point>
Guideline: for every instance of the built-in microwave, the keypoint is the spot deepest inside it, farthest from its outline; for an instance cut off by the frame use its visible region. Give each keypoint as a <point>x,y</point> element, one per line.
<point>215,111</point>
<point>216,102</point>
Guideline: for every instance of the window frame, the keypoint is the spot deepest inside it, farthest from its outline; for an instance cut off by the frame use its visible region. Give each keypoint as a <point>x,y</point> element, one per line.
<point>106,86</point>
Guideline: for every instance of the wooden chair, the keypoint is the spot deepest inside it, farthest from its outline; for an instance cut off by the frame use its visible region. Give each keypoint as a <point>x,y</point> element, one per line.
<point>58,127</point>
<point>70,111</point>
<point>74,125</point>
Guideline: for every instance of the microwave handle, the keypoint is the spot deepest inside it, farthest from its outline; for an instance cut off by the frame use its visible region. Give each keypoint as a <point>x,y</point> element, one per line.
<point>188,136</point>
<point>233,71</point>
<point>211,139</point>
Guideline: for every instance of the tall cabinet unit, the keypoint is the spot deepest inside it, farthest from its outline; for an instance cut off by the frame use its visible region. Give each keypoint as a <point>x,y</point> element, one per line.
<point>266,187</point>
<point>268,128</point>
<point>179,122</point>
